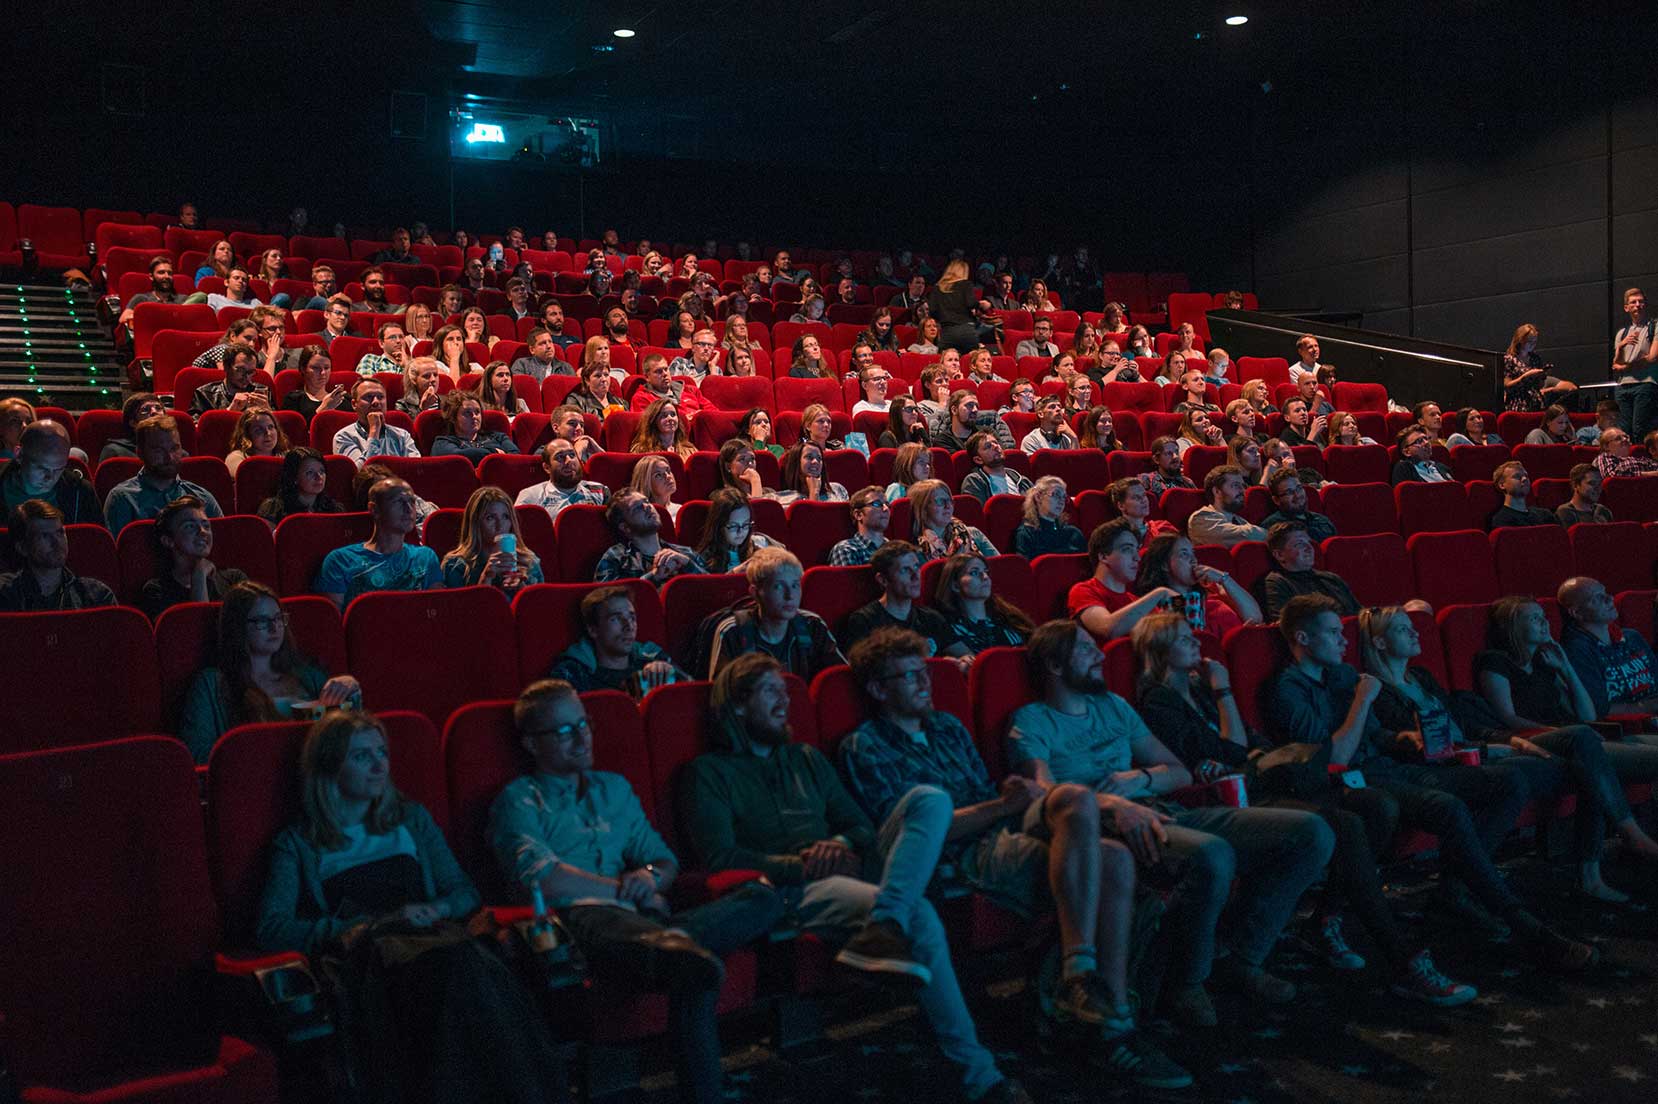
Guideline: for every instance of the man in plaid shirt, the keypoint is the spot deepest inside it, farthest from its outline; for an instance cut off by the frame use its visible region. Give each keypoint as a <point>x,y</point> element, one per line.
<point>999,843</point>
<point>870,513</point>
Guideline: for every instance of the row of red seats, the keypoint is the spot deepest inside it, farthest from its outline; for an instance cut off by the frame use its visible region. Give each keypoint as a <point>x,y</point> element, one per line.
<point>1444,569</point>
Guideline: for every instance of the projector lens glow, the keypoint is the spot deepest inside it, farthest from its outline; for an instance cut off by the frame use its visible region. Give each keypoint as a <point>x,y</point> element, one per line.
<point>1236,20</point>
<point>622,32</point>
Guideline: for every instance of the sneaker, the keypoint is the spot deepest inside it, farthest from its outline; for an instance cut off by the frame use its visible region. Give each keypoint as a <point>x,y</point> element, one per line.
<point>1254,982</point>
<point>1331,945</point>
<point>1557,952</point>
<point>1454,901</point>
<point>1078,1000</point>
<point>1421,980</point>
<point>1005,1091</point>
<point>879,947</point>
<point>1133,1058</point>
<point>1191,1007</point>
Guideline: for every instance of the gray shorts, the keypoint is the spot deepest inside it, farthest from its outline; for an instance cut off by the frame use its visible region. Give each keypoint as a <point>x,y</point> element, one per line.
<point>1009,863</point>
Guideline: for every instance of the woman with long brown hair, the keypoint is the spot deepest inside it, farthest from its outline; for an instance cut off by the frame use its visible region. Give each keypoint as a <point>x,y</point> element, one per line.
<point>662,430</point>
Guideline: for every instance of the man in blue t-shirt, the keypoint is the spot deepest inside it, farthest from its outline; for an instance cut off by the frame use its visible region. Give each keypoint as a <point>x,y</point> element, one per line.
<point>385,561</point>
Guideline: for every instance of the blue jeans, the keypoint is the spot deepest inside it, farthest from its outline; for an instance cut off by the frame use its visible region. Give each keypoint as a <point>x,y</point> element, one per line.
<point>1637,408</point>
<point>1275,854</point>
<point>907,850</point>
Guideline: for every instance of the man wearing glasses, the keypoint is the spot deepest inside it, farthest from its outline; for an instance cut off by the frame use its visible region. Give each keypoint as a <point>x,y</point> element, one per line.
<point>704,360</point>
<point>580,837</point>
<point>322,289</point>
<point>336,320</point>
<point>270,340</point>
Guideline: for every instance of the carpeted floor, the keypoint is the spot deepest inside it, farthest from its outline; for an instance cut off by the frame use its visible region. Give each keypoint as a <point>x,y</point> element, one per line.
<point>1530,1036</point>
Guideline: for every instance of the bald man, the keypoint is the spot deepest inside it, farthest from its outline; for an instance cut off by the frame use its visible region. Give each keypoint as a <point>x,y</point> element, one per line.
<point>41,470</point>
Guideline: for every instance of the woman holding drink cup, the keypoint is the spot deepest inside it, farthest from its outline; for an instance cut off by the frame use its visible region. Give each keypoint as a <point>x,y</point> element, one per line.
<point>490,550</point>
<point>1187,703</point>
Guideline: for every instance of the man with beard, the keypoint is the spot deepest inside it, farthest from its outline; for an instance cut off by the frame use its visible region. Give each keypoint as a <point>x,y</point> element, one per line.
<point>157,483</point>
<point>641,553</point>
<point>374,299</point>
<point>564,485</point>
<point>161,289</point>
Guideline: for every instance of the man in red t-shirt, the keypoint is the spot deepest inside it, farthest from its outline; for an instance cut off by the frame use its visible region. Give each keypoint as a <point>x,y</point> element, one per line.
<point>1106,604</point>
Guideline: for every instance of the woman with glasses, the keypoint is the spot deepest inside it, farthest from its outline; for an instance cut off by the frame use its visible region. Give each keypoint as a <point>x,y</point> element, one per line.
<point>183,540</point>
<point>976,615</point>
<point>936,529</point>
<point>728,537</point>
<point>258,674</point>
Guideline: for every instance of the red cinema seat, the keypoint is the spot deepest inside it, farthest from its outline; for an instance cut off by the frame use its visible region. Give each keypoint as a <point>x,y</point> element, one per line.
<point>1544,461</point>
<point>115,940</point>
<point>92,553</point>
<point>9,253</point>
<point>1533,559</point>
<point>1376,567</point>
<point>816,527</point>
<point>400,646</point>
<point>1179,503</point>
<point>1198,460</point>
<point>1462,635</point>
<point>687,600</point>
<point>445,480</point>
<point>1636,611</point>
<point>303,541</point>
<point>1471,463</point>
<point>240,541</point>
<point>1359,508</point>
<point>1453,567</point>
<point>1357,464</point>
<point>582,535</point>
<point>798,394</point>
<point>1253,654</point>
<point>998,684</point>
<point>54,652</point>
<point>1054,575</point>
<point>1081,469</point>
<point>1610,554</point>
<point>1360,397</point>
<point>835,592</point>
<point>548,620</point>
<point>738,393</point>
<point>1274,370</point>
<point>1631,498</point>
<point>1433,508</point>
<point>56,233</point>
<point>1142,398</point>
<point>149,319</point>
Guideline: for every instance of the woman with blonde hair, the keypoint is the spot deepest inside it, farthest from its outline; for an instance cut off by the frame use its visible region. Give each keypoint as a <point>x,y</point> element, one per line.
<point>1527,376</point>
<point>913,463</point>
<point>954,301</point>
<point>417,326</point>
<point>1113,321</point>
<point>421,390</point>
<point>662,430</point>
<point>1259,396</point>
<point>1037,297</point>
<point>489,549</point>
<point>1047,527</point>
<point>978,617</point>
<point>936,529</point>
<point>595,352</point>
<point>257,433</point>
<point>464,433</point>
<point>653,477</point>
<point>736,336</point>
<point>817,426</point>
<point>1197,429</point>
<point>1344,430</point>
<point>364,861</point>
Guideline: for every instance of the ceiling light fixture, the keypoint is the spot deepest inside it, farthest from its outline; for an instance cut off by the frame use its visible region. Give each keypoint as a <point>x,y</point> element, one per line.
<point>623,32</point>
<point>1236,20</point>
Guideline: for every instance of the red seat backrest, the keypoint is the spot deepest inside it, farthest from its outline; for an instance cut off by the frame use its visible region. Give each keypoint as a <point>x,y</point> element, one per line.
<point>445,480</point>
<point>687,599</point>
<point>1357,463</point>
<point>403,657</point>
<point>1432,507</point>
<point>1376,567</point>
<point>109,918</point>
<point>1054,575</point>
<point>1532,559</point>
<point>1453,567</point>
<point>1253,654</point>
<point>1359,508</point>
<point>1462,635</point>
<point>303,541</point>
<point>1610,554</point>
<point>55,653</point>
<point>842,706</point>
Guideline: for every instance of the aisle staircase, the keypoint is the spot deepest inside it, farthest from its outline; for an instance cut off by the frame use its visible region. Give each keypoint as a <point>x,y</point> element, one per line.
<point>53,351</point>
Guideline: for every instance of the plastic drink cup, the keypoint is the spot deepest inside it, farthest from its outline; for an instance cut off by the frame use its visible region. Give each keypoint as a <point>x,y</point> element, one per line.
<point>1468,756</point>
<point>1232,791</point>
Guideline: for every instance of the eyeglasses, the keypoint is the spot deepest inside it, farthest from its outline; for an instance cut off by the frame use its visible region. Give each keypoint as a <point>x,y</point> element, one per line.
<point>266,624</point>
<point>564,733</point>
<point>911,677</point>
<point>738,526</point>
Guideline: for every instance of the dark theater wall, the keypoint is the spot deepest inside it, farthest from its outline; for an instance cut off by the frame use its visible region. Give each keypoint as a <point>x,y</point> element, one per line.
<point>1495,166</point>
